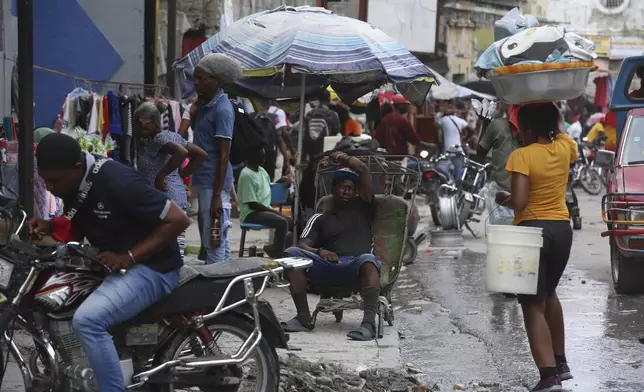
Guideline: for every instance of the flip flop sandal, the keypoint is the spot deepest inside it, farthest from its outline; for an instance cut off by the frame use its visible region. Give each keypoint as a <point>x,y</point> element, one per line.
<point>362,334</point>
<point>294,325</point>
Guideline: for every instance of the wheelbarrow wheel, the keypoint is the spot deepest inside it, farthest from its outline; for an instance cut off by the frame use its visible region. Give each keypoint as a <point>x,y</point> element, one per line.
<point>338,316</point>
<point>381,318</point>
<point>389,316</point>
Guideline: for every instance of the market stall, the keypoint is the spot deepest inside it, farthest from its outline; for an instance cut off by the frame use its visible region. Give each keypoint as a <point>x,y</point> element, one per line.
<point>294,52</point>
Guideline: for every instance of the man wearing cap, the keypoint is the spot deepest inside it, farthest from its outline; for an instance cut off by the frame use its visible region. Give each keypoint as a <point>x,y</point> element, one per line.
<point>213,126</point>
<point>340,243</point>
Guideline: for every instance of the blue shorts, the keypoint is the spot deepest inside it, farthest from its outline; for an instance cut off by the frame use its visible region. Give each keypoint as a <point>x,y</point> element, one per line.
<point>345,273</point>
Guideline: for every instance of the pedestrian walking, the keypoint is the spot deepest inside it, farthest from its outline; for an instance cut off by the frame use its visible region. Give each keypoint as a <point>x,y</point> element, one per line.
<point>539,174</point>
<point>163,156</point>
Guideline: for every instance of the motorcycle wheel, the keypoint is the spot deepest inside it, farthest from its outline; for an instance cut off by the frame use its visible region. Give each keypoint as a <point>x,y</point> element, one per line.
<point>265,374</point>
<point>411,251</point>
<point>591,181</point>
<point>434,210</point>
<point>576,222</point>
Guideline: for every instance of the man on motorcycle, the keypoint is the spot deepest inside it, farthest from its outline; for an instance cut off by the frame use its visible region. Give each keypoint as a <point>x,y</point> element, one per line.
<point>135,228</point>
<point>340,243</point>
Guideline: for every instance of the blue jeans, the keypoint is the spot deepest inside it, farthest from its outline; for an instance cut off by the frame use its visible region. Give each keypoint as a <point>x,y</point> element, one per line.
<point>457,161</point>
<point>222,253</point>
<point>118,299</point>
<point>345,273</point>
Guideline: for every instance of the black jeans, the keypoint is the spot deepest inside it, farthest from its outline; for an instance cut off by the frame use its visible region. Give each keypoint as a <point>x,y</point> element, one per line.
<point>557,242</point>
<point>281,224</point>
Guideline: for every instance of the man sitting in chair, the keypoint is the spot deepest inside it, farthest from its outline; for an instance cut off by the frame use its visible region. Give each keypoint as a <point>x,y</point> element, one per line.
<point>340,243</point>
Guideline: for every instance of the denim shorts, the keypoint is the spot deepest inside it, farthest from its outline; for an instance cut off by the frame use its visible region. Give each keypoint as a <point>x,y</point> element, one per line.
<point>557,241</point>
<point>344,273</point>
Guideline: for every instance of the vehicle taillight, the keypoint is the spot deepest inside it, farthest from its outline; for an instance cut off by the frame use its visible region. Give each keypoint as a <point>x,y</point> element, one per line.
<point>428,174</point>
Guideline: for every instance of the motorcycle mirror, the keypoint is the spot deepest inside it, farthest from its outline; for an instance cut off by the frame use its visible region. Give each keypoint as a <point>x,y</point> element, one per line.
<point>424,154</point>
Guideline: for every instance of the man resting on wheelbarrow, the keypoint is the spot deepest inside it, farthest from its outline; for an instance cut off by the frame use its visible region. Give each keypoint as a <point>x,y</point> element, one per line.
<point>340,242</point>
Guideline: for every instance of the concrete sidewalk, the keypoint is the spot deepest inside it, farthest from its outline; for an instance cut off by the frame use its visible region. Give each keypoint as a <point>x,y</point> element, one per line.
<point>328,341</point>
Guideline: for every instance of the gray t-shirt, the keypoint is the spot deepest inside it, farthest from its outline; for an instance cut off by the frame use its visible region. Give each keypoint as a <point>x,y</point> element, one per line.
<point>498,138</point>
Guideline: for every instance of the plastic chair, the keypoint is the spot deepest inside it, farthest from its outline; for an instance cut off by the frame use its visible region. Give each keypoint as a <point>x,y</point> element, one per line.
<point>279,197</point>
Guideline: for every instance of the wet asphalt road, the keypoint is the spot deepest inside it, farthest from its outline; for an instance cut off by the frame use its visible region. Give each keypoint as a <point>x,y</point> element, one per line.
<point>456,332</point>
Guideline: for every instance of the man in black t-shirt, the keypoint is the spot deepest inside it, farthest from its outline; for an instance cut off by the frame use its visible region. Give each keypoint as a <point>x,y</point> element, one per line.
<point>340,243</point>
<point>133,225</point>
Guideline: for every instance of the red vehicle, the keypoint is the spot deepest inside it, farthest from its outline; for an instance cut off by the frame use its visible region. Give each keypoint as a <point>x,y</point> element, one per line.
<point>623,205</point>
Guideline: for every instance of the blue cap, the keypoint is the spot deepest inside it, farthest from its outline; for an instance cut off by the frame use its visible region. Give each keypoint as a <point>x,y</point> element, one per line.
<point>345,174</point>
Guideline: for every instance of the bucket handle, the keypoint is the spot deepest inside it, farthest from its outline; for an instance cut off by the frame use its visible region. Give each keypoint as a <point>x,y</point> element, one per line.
<point>496,208</point>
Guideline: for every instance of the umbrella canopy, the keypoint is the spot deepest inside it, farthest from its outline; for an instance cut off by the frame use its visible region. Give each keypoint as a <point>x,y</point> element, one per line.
<point>276,47</point>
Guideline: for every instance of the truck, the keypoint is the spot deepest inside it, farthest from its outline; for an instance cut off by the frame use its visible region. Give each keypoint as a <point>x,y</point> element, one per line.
<point>623,204</point>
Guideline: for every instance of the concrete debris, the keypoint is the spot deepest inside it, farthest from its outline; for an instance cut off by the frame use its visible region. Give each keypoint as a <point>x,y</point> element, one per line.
<point>298,375</point>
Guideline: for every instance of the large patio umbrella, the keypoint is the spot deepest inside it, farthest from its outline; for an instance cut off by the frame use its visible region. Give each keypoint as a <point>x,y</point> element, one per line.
<point>293,52</point>
<point>277,48</point>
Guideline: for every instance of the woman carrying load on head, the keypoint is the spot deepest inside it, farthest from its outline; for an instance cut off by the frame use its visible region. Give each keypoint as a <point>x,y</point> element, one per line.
<point>539,174</point>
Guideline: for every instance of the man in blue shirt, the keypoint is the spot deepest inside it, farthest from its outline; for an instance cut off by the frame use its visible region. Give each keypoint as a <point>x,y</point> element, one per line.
<point>133,225</point>
<point>214,122</point>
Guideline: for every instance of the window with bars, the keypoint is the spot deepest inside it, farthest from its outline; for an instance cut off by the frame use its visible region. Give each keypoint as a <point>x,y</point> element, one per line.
<point>612,6</point>
<point>611,3</point>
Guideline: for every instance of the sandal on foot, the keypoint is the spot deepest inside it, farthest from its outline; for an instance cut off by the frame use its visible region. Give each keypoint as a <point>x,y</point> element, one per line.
<point>295,325</point>
<point>363,333</point>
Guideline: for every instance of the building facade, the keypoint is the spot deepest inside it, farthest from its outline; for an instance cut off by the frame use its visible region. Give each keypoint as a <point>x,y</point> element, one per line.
<point>614,25</point>
<point>466,29</point>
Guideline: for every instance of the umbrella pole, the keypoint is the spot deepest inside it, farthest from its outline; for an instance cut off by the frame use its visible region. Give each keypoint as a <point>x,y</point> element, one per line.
<point>298,161</point>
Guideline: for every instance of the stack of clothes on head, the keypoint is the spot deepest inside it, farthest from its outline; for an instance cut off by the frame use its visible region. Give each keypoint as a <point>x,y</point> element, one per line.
<point>524,46</point>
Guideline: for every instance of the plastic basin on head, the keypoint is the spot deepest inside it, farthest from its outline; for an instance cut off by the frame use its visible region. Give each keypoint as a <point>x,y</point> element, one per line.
<point>541,86</point>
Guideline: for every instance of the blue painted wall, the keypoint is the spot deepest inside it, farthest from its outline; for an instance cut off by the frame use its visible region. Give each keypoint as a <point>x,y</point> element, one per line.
<point>66,40</point>
<point>91,39</point>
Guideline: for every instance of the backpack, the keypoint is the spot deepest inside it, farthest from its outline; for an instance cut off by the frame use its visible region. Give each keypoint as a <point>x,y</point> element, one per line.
<point>315,131</point>
<point>266,121</point>
<point>247,134</point>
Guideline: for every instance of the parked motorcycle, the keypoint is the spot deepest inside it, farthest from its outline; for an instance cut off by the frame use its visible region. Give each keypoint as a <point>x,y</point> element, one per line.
<point>572,203</point>
<point>175,344</point>
<point>460,203</point>
<point>585,173</point>
<point>590,151</point>
<point>431,180</point>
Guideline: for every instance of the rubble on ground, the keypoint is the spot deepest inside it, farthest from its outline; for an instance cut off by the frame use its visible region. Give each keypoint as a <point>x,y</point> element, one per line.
<point>298,375</point>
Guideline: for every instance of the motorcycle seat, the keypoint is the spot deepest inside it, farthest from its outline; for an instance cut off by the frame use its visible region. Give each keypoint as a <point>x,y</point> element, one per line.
<point>228,269</point>
<point>202,287</point>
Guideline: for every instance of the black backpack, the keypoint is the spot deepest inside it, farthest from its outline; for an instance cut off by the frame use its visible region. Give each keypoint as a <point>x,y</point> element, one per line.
<point>266,122</point>
<point>247,134</point>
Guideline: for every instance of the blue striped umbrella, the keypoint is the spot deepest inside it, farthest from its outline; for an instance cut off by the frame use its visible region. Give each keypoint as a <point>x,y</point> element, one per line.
<point>277,47</point>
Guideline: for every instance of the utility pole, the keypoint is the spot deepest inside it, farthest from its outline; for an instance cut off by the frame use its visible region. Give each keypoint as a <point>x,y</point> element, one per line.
<point>172,44</point>
<point>150,42</point>
<point>26,105</point>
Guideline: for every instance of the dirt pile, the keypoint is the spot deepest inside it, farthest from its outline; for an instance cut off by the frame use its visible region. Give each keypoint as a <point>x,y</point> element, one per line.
<point>298,375</point>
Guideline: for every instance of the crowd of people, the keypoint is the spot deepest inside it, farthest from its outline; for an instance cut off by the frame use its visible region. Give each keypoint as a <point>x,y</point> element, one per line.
<point>137,221</point>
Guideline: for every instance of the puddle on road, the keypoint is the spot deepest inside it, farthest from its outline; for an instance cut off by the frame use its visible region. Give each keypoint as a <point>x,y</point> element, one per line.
<point>601,328</point>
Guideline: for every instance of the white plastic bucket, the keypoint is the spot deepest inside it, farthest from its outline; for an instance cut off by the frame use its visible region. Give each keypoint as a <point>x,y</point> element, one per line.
<point>513,259</point>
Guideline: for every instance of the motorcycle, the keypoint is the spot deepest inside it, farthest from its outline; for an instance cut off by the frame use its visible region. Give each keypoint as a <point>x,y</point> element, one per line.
<point>431,180</point>
<point>172,345</point>
<point>590,151</point>
<point>573,206</point>
<point>584,172</point>
<point>460,203</point>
